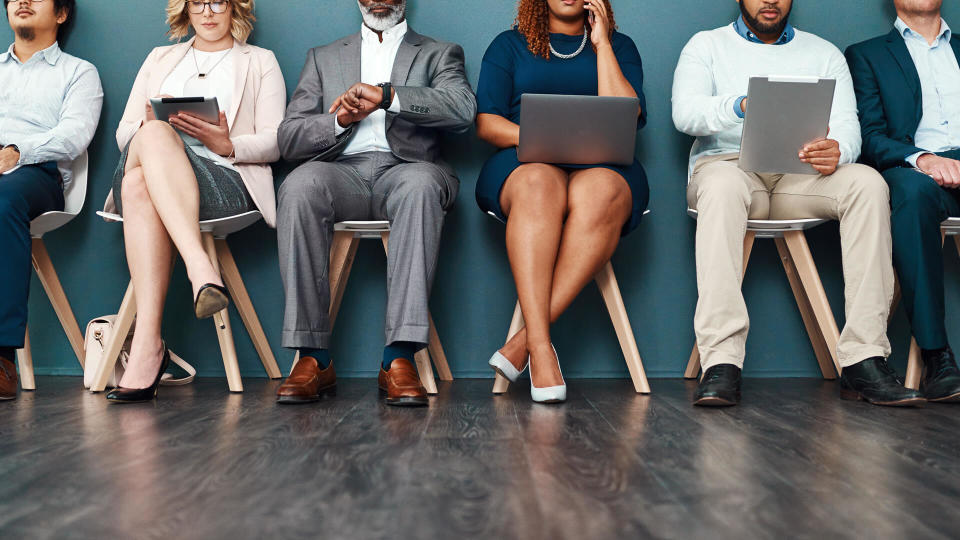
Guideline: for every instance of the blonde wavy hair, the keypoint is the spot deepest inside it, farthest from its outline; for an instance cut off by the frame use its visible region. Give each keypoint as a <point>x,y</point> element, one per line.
<point>241,23</point>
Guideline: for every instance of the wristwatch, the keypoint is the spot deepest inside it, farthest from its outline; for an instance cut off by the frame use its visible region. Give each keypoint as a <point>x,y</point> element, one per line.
<point>387,95</point>
<point>15,147</point>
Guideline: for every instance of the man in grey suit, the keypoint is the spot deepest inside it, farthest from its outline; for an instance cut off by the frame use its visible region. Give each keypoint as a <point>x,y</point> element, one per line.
<point>367,115</point>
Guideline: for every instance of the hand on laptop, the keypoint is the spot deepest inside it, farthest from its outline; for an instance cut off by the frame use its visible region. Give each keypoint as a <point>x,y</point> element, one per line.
<point>822,154</point>
<point>945,171</point>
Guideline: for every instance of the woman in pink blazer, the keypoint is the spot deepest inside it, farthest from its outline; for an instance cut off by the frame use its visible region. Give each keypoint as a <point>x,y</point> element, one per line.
<point>172,175</point>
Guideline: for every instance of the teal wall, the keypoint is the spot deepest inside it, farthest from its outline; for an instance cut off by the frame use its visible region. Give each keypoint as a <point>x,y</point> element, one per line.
<point>474,294</point>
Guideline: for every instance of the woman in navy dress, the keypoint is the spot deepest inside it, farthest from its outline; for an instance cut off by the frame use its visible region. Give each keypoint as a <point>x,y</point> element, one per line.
<point>563,221</point>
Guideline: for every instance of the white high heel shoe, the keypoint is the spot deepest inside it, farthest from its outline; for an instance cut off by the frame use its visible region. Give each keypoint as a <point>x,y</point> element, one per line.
<point>505,367</point>
<point>550,394</point>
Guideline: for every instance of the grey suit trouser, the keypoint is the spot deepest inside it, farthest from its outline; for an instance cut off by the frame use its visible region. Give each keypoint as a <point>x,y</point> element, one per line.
<point>369,186</point>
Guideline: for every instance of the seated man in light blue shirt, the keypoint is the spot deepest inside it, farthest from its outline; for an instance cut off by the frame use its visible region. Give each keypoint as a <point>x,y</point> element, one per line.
<point>49,109</point>
<point>908,91</point>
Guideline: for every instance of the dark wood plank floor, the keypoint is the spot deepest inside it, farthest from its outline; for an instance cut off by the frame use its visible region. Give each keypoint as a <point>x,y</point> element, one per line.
<point>792,461</point>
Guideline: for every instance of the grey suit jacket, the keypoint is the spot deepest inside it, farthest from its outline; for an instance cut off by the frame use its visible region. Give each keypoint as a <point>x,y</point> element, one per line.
<point>430,81</point>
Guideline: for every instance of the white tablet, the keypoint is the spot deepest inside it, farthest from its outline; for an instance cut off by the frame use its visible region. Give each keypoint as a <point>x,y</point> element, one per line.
<point>783,114</point>
<point>205,108</point>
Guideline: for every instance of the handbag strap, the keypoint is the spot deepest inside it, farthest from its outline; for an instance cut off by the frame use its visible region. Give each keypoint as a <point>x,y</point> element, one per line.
<point>167,379</point>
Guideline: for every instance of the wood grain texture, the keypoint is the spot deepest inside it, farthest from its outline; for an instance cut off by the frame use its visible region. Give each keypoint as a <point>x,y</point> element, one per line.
<point>201,462</point>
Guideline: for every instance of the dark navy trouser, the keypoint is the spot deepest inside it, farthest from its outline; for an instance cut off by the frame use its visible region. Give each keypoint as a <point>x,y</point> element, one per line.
<point>24,194</point>
<point>919,205</point>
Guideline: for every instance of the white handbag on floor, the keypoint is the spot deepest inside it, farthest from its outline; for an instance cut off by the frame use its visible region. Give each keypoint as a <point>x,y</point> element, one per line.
<point>95,341</point>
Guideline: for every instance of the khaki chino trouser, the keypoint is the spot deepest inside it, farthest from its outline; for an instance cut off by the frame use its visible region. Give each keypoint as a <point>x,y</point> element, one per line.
<point>725,197</point>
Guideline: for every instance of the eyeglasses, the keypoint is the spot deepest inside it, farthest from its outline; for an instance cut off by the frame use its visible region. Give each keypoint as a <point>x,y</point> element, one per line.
<point>197,7</point>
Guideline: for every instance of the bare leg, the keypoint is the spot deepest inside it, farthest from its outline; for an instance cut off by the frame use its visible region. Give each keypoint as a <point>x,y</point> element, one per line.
<point>599,203</point>
<point>158,151</point>
<point>534,199</point>
<point>149,256</point>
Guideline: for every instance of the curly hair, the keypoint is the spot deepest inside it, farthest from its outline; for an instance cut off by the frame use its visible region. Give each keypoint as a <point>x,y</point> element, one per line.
<point>533,22</point>
<point>241,23</point>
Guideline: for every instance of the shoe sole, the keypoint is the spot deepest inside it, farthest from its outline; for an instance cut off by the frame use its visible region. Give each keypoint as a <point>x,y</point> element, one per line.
<point>126,401</point>
<point>952,398</point>
<point>714,402</point>
<point>910,402</point>
<point>211,302</point>
<point>550,401</point>
<point>404,401</point>
<point>5,398</point>
<point>330,391</point>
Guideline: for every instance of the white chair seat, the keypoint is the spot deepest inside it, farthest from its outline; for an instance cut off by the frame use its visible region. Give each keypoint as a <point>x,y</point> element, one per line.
<point>951,226</point>
<point>221,228</point>
<point>774,228</point>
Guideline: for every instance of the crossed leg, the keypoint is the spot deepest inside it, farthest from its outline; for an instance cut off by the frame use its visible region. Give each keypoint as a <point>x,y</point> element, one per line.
<point>597,202</point>
<point>161,208</point>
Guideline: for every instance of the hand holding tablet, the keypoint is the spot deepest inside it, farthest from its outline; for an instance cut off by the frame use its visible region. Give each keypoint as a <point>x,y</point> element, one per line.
<point>196,117</point>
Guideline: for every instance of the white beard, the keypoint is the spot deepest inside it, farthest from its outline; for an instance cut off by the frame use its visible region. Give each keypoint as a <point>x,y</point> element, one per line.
<point>380,24</point>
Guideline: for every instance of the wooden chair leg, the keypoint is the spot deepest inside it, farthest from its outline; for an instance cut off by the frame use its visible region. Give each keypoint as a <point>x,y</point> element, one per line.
<point>121,327</point>
<point>222,321</point>
<point>25,359</point>
<point>51,284</point>
<point>437,355</point>
<point>342,253</point>
<point>501,383</point>
<point>610,290</point>
<point>425,370</point>
<point>914,366</point>
<point>820,348</point>
<point>241,299</point>
<point>810,279</point>
<point>693,364</point>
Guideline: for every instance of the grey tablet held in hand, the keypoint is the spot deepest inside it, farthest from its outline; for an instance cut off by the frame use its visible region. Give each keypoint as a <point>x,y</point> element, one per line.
<point>577,130</point>
<point>783,114</point>
<point>205,108</point>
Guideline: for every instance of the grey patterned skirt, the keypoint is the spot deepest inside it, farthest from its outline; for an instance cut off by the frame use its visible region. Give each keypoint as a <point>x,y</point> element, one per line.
<point>222,193</point>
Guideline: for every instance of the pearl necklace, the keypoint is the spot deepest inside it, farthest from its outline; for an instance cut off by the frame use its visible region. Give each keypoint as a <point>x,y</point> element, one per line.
<point>583,44</point>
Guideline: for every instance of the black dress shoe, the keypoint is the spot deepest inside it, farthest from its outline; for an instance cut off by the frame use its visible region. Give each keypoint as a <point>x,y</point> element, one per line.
<point>139,395</point>
<point>720,387</point>
<point>210,300</point>
<point>941,380</point>
<point>874,381</point>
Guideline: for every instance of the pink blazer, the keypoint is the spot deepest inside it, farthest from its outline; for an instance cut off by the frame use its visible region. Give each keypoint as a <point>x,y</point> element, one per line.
<point>253,118</point>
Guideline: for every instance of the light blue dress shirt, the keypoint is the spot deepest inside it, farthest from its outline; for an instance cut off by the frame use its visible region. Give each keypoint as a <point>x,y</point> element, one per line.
<point>49,106</point>
<point>741,27</point>
<point>939,128</point>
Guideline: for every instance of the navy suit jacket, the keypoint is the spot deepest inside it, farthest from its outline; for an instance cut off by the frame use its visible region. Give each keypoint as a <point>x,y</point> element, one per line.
<point>889,99</point>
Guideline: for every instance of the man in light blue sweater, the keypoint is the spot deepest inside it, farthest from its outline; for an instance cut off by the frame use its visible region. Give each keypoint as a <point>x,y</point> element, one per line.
<point>709,103</point>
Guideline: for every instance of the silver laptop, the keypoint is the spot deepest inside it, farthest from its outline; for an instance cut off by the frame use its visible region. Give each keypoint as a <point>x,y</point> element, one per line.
<point>783,114</point>
<point>578,130</point>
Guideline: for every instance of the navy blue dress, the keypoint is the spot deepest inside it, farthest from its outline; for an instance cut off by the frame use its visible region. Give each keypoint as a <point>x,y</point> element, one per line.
<point>510,70</point>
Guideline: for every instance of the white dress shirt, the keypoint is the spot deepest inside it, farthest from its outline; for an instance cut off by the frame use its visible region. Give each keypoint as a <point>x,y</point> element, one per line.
<point>936,64</point>
<point>49,106</point>
<point>376,66</point>
<point>184,81</point>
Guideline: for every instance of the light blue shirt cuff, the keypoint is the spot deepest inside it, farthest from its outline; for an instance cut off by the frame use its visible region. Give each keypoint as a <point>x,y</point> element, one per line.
<point>912,159</point>
<point>736,107</point>
<point>337,128</point>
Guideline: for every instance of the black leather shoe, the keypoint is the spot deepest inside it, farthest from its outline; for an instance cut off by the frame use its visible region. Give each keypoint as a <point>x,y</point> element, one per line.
<point>139,395</point>
<point>874,381</point>
<point>210,299</point>
<point>719,387</point>
<point>941,379</point>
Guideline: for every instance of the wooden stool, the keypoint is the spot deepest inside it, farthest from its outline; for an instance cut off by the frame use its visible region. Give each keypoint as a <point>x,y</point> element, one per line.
<point>949,227</point>
<point>346,240</point>
<point>804,281</point>
<point>74,196</point>
<point>214,234</point>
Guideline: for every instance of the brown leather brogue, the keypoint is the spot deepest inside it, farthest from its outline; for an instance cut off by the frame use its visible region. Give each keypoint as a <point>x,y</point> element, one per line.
<point>402,385</point>
<point>307,382</point>
<point>8,379</point>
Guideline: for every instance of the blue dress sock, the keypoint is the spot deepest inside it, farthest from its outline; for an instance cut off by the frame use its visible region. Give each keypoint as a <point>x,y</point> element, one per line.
<point>322,356</point>
<point>399,349</point>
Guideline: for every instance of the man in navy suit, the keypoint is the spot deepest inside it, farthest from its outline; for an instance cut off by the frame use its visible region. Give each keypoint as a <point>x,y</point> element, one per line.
<point>908,93</point>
